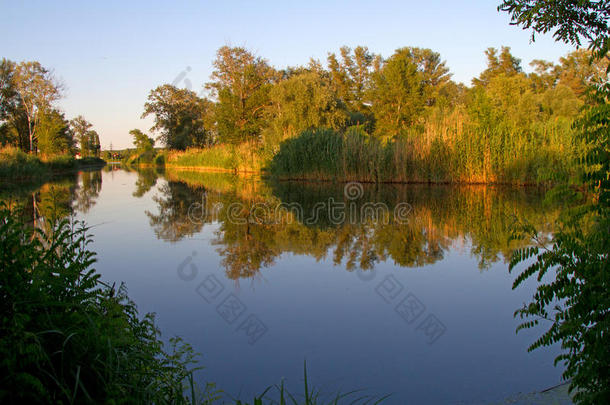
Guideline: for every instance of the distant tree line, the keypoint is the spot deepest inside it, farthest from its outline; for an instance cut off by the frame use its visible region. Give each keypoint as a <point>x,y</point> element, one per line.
<point>248,100</point>
<point>400,118</point>
<point>29,119</point>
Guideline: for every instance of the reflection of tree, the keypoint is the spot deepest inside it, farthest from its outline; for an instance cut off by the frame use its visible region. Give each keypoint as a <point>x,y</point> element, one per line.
<point>246,239</point>
<point>172,223</point>
<point>147,178</point>
<point>41,206</point>
<point>245,257</point>
<point>88,190</point>
<point>54,201</point>
<point>441,217</point>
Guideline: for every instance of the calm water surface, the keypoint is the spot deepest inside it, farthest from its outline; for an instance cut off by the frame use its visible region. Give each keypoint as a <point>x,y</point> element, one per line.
<point>407,293</point>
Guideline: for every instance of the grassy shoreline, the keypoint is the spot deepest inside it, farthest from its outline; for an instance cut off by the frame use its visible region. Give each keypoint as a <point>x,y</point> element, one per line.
<point>19,167</point>
<point>353,155</point>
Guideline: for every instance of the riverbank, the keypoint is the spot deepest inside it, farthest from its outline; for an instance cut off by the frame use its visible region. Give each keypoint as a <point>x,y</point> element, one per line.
<point>353,155</point>
<point>17,166</point>
<point>243,158</point>
<point>328,155</point>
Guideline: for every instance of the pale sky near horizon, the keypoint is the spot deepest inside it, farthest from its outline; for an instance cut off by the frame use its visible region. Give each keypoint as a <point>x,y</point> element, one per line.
<point>110,54</point>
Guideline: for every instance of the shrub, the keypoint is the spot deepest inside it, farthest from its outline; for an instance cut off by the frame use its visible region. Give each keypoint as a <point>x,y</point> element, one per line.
<point>66,337</point>
<point>16,164</point>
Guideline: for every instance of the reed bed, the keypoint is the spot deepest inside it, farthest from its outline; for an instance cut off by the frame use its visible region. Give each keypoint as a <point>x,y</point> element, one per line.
<point>545,154</point>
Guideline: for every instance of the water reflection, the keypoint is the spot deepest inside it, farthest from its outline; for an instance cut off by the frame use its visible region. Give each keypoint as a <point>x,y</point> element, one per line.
<point>171,222</point>
<point>257,220</point>
<point>153,220</point>
<point>90,185</point>
<point>251,234</point>
<point>57,199</point>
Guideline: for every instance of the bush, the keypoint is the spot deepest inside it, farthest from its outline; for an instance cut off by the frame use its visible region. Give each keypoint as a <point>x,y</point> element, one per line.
<point>91,161</point>
<point>16,164</point>
<point>66,337</point>
<point>159,159</point>
<point>60,162</point>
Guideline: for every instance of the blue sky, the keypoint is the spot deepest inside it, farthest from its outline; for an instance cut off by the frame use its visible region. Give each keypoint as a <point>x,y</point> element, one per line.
<point>110,54</point>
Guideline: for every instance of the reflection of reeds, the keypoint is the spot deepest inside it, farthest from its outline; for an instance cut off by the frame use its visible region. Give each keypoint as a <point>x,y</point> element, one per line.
<point>246,186</point>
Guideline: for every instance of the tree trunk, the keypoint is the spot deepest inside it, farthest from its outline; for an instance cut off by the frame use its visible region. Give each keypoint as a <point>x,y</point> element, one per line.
<point>31,134</point>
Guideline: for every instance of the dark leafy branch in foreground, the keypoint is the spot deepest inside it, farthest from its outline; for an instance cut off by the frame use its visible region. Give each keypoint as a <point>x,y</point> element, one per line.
<point>576,300</point>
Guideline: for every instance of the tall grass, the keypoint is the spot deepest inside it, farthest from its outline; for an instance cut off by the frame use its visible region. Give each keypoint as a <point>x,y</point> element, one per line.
<point>236,158</point>
<point>547,153</point>
<point>16,165</point>
<point>312,396</point>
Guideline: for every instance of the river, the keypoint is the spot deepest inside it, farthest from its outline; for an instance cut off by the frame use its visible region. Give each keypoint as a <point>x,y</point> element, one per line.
<point>392,289</point>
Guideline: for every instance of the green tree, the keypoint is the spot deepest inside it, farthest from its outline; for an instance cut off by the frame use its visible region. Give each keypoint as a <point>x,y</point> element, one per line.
<point>241,83</point>
<point>505,64</point>
<point>544,76</point>
<point>37,90</point>
<point>435,74</point>
<point>54,134</point>
<point>14,130</point>
<point>407,85</point>
<point>179,117</point>
<point>303,101</point>
<point>397,95</point>
<point>351,75</point>
<point>579,71</point>
<point>8,94</point>
<point>141,141</point>
<point>81,129</point>
<point>93,143</point>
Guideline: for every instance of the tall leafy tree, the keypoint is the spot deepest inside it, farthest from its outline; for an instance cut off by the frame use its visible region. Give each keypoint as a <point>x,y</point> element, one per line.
<point>37,90</point>
<point>8,94</point>
<point>179,117</point>
<point>93,143</point>
<point>407,83</point>
<point>54,133</point>
<point>81,129</point>
<point>435,74</point>
<point>580,71</point>
<point>397,95</point>
<point>141,141</point>
<point>304,101</point>
<point>504,63</point>
<point>350,77</point>
<point>14,130</point>
<point>241,83</point>
<point>8,101</point>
